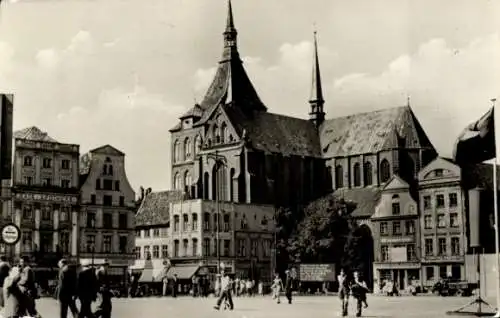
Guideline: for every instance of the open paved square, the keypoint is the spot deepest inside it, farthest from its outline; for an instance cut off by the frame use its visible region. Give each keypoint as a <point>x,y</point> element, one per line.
<point>265,307</point>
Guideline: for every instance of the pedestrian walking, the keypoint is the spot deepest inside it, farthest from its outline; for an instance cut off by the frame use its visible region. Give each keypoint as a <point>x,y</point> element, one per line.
<point>359,291</point>
<point>175,285</point>
<point>288,286</point>
<point>277,287</point>
<point>28,287</point>
<point>225,286</point>
<point>66,289</point>
<point>86,289</point>
<point>104,306</point>
<point>343,292</point>
<point>261,288</point>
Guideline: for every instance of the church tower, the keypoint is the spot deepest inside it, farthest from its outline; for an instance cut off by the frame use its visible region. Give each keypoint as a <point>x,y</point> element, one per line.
<point>317,114</point>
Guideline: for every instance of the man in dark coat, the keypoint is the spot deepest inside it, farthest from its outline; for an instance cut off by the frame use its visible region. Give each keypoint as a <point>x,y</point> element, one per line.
<point>104,307</point>
<point>66,289</point>
<point>288,286</point>
<point>175,285</point>
<point>4,273</point>
<point>86,289</point>
<point>28,287</point>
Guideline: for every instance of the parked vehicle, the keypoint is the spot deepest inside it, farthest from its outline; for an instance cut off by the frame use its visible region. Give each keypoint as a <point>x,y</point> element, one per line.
<point>453,287</point>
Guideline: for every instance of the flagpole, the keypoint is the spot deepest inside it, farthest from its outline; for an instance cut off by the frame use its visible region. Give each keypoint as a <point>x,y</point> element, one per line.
<point>495,210</point>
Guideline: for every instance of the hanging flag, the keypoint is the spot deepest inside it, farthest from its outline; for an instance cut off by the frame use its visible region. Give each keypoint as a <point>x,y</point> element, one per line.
<point>477,142</point>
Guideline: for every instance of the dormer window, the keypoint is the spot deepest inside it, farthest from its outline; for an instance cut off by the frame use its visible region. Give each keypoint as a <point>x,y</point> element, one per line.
<point>438,173</point>
<point>396,207</point>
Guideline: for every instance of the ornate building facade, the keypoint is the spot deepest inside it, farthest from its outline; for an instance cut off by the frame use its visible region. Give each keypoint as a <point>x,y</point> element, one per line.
<point>45,193</point>
<point>107,230</point>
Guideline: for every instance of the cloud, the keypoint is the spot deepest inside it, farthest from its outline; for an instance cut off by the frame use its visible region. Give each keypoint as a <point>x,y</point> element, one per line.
<point>47,58</point>
<point>449,87</point>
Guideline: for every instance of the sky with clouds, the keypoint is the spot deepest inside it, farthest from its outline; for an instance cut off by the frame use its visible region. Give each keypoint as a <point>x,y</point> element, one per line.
<point>120,72</point>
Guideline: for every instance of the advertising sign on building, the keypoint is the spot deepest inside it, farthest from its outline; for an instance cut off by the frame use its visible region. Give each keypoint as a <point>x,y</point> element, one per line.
<point>317,272</point>
<point>398,254</point>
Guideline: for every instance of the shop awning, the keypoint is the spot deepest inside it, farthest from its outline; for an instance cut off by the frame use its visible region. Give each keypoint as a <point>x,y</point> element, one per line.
<point>183,272</point>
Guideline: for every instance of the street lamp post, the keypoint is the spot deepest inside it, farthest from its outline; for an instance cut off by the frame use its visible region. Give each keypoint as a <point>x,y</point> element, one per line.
<point>92,224</point>
<point>220,161</point>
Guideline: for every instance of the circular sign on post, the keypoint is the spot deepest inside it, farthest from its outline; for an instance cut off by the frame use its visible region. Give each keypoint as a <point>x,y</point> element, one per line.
<point>11,234</point>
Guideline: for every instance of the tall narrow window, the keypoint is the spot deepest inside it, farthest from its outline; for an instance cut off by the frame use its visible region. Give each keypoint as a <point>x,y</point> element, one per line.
<point>177,181</point>
<point>231,184</point>
<point>206,185</point>
<point>368,173</point>
<point>187,180</point>
<point>177,151</point>
<point>396,208</point>
<point>195,247</point>
<point>357,175</point>
<point>187,148</point>
<point>339,177</point>
<point>223,134</point>
<point>385,171</point>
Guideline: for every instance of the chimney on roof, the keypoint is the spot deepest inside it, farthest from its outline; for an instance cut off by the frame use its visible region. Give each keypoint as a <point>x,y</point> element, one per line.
<point>317,114</point>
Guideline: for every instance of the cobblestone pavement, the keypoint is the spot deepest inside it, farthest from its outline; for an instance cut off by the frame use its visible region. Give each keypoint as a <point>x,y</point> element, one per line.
<point>259,307</point>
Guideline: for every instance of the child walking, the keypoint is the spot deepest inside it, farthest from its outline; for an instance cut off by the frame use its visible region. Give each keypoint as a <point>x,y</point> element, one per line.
<point>359,289</point>
<point>277,286</point>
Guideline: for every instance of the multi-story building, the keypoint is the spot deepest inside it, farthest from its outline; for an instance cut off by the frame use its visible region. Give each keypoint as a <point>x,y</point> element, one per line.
<point>152,238</point>
<point>45,196</point>
<point>396,225</point>
<point>107,210</point>
<point>442,221</point>
<point>243,236</point>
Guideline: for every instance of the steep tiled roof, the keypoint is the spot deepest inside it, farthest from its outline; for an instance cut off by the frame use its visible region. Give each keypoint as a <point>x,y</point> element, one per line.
<point>33,133</point>
<point>365,198</point>
<point>154,209</point>
<point>369,132</point>
<point>195,111</point>
<point>276,133</point>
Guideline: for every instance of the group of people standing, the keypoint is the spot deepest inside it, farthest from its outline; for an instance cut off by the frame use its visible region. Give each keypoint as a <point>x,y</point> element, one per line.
<point>18,292</point>
<point>352,286</point>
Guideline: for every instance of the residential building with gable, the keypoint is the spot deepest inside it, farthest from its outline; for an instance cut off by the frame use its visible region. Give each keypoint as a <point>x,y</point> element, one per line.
<point>107,230</point>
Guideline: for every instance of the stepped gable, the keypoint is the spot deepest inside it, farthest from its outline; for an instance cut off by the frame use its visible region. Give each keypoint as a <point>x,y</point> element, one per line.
<point>34,134</point>
<point>155,208</point>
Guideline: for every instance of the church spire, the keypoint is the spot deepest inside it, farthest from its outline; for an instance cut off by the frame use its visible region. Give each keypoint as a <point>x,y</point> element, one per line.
<point>317,115</point>
<point>230,34</point>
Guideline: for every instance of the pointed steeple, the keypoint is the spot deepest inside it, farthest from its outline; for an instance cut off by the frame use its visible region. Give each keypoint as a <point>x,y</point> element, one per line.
<point>317,115</point>
<point>231,84</point>
<point>230,35</point>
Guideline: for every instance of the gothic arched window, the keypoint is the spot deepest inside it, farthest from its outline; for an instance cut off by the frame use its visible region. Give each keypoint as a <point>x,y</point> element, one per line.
<point>206,185</point>
<point>187,180</point>
<point>368,173</point>
<point>187,148</point>
<point>216,134</point>
<point>339,177</point>
<point>231,184</point>
<point>396,207</point>
<point>357,175</point>
<point>177,151</point>
<point>223,133</point>
<point>177,181</point>
<point>385,171</point>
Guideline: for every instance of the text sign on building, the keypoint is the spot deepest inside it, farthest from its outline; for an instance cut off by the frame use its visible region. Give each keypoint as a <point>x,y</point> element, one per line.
<point>317,272</point>
<point>46,197</point>
<point>398,254</point>
<point>10,234</point>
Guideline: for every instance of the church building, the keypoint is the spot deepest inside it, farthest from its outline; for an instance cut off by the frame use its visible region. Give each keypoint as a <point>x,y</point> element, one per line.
<point>231,148</point>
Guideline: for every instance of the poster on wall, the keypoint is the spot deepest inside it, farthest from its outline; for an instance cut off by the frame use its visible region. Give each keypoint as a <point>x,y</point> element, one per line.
<point>398,254</point>
<point>317,272</point>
